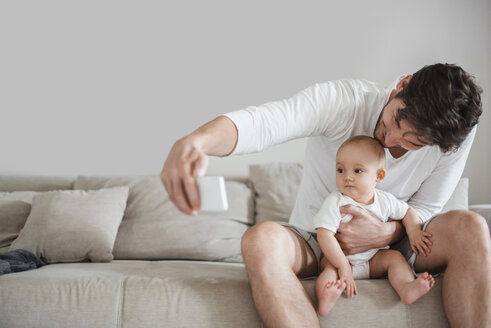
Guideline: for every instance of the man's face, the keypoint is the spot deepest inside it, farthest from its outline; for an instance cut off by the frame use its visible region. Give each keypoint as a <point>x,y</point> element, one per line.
<point>396,134</point>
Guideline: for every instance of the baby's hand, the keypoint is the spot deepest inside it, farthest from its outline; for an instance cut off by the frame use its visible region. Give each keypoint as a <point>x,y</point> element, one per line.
<point>346,275</point>
<point>420,242</point>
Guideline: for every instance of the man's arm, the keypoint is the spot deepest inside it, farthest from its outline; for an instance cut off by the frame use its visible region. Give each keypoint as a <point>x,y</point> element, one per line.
<point>365,232</point>
<point>317,110</point>
<point>188,159</point>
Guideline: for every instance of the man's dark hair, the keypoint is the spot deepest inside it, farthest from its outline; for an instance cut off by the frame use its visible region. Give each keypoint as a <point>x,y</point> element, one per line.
<point>443,103</point>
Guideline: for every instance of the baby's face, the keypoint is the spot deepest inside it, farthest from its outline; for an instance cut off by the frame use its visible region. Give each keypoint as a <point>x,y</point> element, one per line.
<point>356,171</point>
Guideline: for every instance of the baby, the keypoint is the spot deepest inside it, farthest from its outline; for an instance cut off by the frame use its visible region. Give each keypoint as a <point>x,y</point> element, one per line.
<point>360,165</point>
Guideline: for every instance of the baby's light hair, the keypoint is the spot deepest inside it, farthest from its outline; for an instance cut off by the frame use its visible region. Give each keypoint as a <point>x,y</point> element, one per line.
<point>373,143</point>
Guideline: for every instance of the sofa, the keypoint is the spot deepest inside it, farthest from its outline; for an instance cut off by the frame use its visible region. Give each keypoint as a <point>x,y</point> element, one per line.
<point>120,254</point>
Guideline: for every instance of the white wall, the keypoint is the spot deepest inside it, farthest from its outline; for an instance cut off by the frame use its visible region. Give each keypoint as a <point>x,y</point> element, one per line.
<point>106,87</point>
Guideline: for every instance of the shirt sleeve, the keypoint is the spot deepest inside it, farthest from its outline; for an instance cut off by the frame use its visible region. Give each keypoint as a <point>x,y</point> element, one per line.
<point>322,109</point>
<point>329,216</point>
<point>440,184</point>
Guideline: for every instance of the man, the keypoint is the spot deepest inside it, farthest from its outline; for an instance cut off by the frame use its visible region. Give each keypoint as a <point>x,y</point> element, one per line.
<point>427,123</point>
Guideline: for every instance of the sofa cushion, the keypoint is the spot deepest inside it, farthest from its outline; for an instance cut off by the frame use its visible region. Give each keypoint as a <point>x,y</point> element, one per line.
<point>25,196</point>
<point>13,216</point>
<point>153,228</point>
<point>183,294</point>
<point>459,200</point>
<point>34,183</point>
<point>73,225</point>
<point>276,186</point>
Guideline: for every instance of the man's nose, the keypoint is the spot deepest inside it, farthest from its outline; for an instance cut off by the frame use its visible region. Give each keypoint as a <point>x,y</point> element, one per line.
<point>390,139</point>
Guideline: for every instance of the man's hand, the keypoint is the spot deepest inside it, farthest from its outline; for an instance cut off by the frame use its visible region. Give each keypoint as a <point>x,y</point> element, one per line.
<point>184,163</point>
<point>188,159</point>
<point>363,232</point>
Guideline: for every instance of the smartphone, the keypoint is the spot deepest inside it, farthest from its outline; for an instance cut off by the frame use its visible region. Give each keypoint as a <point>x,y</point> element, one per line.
<point>212,194</point>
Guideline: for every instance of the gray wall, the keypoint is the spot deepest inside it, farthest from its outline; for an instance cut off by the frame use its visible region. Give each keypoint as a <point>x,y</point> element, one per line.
<point>106,87</point>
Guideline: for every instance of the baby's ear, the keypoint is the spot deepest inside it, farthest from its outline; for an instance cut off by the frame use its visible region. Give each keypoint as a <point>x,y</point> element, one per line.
<point>380,175</point>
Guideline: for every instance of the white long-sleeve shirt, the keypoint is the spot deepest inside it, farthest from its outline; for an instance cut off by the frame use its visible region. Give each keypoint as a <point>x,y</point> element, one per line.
<point>329,113</point>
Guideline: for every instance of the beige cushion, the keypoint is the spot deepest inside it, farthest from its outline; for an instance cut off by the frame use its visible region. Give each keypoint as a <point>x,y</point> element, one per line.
<point>183,294</point>
<point>34,183</point>
<point>73,225</point>
<point>484,210</point>
<point>460,197</point>
<point>153,228</point>
<point>276,186</point>
<point>25,196</point>
<point>13,216</point>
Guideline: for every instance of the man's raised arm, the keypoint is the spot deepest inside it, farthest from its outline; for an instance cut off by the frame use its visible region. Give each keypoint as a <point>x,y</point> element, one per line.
<point>188,159</point>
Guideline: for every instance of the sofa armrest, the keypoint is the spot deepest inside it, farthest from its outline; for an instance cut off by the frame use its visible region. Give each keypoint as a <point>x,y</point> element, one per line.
<point>484,210</point>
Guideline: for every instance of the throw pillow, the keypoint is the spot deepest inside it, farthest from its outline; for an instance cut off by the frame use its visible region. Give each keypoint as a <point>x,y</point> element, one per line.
<point>460,197</point>
<point>154,229</point>
<point>276,186</point>
<point>73,225</point>
<point>13,216</point>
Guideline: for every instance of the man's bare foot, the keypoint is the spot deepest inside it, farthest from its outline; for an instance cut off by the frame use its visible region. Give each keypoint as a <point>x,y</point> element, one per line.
<point>330,294</point>
<point>417,288</point>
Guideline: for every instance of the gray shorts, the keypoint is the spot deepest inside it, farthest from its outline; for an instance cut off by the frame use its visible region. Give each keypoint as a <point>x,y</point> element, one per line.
<point>310,238</point>
<point>404,247</point>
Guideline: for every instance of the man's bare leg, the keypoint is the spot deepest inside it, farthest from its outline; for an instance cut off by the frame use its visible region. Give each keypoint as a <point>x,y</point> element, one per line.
<point>274,256</point>
<point>461,244</point>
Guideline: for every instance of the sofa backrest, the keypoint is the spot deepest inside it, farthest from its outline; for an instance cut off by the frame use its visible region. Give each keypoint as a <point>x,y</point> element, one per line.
<point>152,228</point>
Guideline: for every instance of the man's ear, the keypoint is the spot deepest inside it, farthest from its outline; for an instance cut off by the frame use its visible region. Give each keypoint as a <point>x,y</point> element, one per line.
<point>400,85</point>
<point>403,83</point>
<point>380,175</point>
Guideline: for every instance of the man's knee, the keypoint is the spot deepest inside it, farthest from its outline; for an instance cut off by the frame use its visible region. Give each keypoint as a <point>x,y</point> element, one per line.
<point>261,239</point>
<point>467,227</point>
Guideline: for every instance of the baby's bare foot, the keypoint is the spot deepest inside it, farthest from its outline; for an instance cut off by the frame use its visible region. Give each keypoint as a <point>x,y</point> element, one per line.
<point>329,295</point>
<point>417,288</point>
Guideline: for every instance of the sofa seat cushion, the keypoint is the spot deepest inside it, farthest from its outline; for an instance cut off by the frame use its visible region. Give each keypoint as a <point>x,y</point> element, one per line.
<point>182,294</point>
<point>129,294</point>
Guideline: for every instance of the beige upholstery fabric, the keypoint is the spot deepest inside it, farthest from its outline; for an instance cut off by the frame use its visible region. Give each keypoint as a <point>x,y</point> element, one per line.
<point>34,183</point>
<point>73,225</point>
<point>276,186</point>
<point>25,196</point>
<point>182,294</point>
<point>485,211</point>
<point>13,216</point>
<point>153,228</point>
